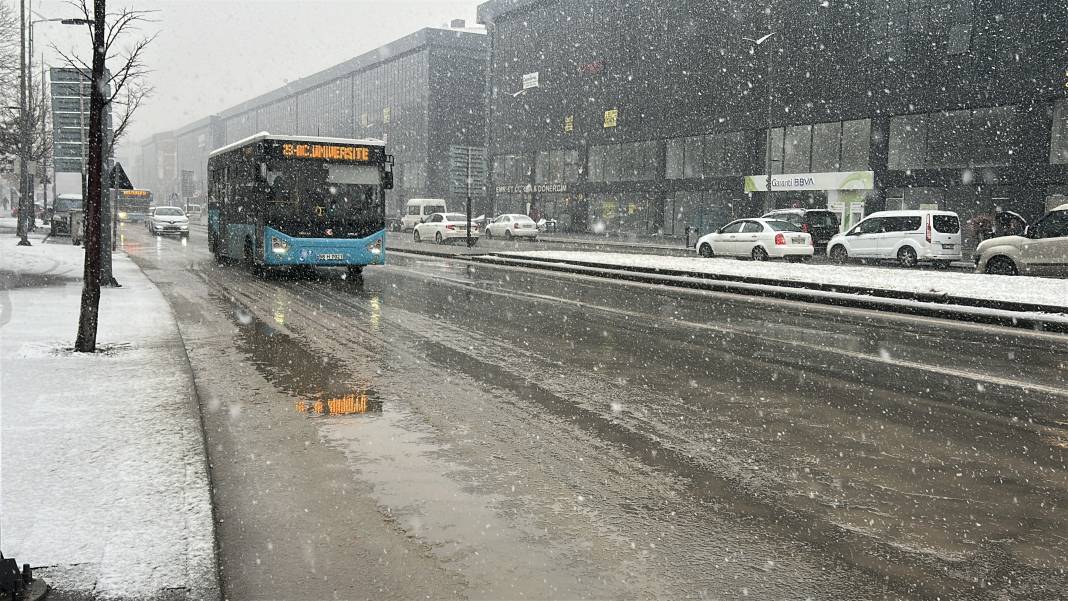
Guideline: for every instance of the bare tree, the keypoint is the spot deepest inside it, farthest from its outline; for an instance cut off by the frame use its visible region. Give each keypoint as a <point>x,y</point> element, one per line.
<point>124,88</point>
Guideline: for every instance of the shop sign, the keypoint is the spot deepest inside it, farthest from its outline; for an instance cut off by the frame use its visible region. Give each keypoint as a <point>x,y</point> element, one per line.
<point>843,180</point>
<point>527,188</point>
<point>611,117</point>
<point>569,123</point>
<point>530,80</point>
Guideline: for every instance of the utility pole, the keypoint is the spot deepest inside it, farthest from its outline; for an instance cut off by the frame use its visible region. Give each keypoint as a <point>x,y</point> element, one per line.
<point>25,203</point>
<point>41,160</point>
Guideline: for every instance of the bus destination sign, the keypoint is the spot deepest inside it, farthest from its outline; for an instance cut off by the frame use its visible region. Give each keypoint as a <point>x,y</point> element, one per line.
<point>329,152</point>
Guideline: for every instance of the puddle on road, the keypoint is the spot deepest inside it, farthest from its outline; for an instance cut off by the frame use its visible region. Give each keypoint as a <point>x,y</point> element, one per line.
<point>319,385</point>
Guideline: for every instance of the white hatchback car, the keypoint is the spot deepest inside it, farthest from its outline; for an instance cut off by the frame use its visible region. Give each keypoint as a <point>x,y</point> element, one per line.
<point>442,227</point>
<point>1042,250</point>
<point>759,239</point>
<point>512,225</point>
<point>908,237</point>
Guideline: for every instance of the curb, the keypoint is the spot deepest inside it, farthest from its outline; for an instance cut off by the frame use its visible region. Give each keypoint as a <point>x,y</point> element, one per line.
<point>1014,315</point>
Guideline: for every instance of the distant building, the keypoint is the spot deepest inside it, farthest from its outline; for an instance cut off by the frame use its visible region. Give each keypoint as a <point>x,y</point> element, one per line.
<point>645,118</point>
<point>157,167</point>
<point>423,94</point>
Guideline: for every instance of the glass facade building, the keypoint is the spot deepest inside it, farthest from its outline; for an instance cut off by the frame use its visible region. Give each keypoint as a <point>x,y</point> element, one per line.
<point>423,94</point>
<point>677,120</point>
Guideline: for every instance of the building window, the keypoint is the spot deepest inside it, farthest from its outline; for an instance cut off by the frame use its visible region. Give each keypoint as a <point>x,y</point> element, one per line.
<point>674,159</point>
<point>775,139</point>
<point>1058,151</point>
<point>511,169</point>
<point>959,40</point>
<point>821,147</point>
<point>968,138</point>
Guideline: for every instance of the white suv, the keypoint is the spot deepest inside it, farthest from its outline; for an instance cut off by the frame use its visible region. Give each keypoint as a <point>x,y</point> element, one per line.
<point>1042,250</point>
<point>908,237</point>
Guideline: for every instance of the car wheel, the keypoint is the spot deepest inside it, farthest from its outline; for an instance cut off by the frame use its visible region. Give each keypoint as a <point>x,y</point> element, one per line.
<point>839,254</point>
<point>759,254</point>
<point>438,238</point>
<point>415,236</point>
<point>1001,266</point>
<point>489,234</point>
<point>907,256</point>
<point>706,251</point>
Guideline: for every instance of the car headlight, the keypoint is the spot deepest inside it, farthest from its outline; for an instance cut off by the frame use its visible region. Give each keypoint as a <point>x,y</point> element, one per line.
<point>279,246</point>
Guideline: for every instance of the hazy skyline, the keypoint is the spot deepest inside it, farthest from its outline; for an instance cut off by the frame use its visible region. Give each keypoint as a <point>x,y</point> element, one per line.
<point>211,55</point>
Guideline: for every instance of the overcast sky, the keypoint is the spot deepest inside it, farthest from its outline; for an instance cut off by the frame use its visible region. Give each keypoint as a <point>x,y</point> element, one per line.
<point>213,54</point>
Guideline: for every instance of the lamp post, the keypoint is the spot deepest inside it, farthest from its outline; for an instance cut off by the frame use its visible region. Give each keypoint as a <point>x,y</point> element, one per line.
<point>24,147</point>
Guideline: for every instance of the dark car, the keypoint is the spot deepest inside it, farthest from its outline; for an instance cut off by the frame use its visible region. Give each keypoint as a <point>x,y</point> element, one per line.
<point>821,224</point>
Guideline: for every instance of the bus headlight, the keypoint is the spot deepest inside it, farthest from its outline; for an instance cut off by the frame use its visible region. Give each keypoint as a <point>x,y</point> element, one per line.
<point>375,247</point>
<point>279,246</point>
<point>122,215</point>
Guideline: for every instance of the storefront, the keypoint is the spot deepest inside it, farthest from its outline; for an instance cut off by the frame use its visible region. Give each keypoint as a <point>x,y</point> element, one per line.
<point>843,192</point>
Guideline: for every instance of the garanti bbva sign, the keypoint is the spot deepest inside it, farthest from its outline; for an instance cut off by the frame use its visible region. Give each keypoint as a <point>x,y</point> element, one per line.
<point>786,182</point>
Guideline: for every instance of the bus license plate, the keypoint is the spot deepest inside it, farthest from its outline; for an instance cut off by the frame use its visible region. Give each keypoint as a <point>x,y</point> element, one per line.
<point>331,257</point>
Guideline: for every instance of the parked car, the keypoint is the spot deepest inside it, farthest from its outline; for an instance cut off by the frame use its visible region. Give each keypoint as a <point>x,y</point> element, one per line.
<point>168,220</point>
<point>1042,250</point>
<point>417,210</point>
<point>820,223</point>
<point>512,225</point>
<point>61,209</point>
<point>759,239</point>
<point>442,227</point>
<point>909,237</point>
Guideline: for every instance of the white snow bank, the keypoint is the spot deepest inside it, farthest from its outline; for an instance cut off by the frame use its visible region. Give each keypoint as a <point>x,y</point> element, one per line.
<point>103,481</point>
<point>1022,289</point>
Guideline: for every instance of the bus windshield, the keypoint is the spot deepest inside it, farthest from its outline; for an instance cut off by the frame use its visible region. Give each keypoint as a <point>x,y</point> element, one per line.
<point>322,199</point>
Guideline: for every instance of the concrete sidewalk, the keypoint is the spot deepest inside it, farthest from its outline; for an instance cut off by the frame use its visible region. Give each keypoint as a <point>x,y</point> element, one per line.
<point>104,486</point>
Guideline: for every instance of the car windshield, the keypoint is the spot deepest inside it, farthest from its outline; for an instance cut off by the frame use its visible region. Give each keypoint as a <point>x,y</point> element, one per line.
<point>738,314</point>
<point>783,226</point>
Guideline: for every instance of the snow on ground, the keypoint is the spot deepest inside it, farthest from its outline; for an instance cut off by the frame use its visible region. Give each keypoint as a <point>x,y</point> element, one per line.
<point>1022,289</point>
<point>103,481</point>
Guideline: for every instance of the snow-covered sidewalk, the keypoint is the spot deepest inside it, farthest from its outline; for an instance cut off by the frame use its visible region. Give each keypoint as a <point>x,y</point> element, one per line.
<point>1011,289</point>
<point>103,479</point>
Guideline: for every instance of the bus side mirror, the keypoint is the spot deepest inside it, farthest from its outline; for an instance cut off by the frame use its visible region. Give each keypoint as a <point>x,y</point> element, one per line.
<point>387,180</point>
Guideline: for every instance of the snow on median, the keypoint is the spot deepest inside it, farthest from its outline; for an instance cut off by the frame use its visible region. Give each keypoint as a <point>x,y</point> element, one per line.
<point>104,484</point>
<point>1015,289</point>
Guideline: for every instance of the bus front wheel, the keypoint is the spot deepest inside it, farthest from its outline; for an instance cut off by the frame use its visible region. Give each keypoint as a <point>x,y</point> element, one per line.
<point>354,274</point>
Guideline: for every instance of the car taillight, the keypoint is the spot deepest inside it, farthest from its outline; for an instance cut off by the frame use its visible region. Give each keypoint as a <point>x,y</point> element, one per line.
<point>780,240</point>
<point>804,227</point>
<point>515,227</point>
<point>929,218</point>
<point>450,227</point>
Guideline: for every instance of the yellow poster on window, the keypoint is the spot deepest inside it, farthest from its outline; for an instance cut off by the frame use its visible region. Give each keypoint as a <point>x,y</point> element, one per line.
<point>569,123</point>
<point>611,116</point>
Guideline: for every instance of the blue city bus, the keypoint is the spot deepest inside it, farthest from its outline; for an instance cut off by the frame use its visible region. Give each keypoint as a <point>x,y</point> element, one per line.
<point>299,201</point>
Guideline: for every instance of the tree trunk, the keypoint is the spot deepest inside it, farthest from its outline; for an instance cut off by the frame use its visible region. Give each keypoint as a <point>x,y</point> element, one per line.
<point>90,310</point>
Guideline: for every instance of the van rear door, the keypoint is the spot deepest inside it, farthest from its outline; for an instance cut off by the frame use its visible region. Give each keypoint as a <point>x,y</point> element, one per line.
<point>943,232</point>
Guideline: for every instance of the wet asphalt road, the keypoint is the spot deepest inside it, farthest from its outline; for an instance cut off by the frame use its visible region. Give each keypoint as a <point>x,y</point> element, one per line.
<point>504,433</point>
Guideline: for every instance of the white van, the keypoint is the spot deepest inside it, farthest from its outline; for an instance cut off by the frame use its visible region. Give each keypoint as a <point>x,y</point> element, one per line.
<point>908,237</point>
<point>418,209</point>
